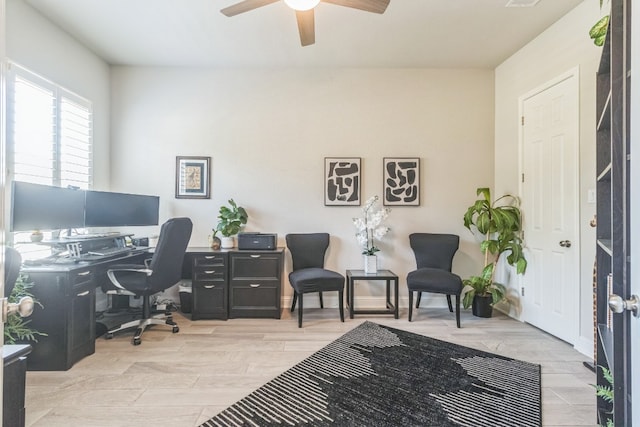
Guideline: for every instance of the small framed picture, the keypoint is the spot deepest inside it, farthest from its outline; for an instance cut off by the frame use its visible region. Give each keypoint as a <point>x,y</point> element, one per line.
<point>342,181</point>
<point>192,177</point>
<point>401,185</point>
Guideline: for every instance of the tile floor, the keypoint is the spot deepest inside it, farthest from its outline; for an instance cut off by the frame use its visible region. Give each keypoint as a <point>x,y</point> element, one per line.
<point>183,379</point>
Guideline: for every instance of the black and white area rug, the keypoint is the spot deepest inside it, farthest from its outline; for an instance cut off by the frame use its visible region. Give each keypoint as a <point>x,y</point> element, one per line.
<point>375,375</point>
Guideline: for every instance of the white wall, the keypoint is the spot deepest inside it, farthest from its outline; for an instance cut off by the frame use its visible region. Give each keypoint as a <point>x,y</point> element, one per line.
<point>42,47</point>
<point>268,131</point>
<point>562,47</point>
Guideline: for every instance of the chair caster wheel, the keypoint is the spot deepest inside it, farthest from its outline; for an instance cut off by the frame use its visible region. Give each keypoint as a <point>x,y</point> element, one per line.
<point>137,341</point>
<point>176,329</point>
<point>108,336</point>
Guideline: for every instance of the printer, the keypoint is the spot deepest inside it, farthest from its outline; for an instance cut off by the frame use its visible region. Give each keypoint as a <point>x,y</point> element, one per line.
<point>257,241</point>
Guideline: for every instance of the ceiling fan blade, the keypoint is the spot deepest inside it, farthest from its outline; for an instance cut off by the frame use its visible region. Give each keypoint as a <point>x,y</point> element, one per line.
<point>375,6</point>
<point>245,6</point>
<point>306,27</point>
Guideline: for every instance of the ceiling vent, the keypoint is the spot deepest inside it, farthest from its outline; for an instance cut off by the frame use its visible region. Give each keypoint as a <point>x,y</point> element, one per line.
<point>521,3</point>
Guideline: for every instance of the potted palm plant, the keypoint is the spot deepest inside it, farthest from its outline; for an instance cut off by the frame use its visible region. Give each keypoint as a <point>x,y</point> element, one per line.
<point>230,220</point>
<point>500,224</point>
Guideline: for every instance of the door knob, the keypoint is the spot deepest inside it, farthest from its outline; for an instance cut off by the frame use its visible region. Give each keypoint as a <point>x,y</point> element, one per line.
<point>24,307</point>
<point>565,243</point>
<point>618,305</point>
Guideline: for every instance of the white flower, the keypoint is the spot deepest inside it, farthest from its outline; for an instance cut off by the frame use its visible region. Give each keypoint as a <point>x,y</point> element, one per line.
<point>369,226</point>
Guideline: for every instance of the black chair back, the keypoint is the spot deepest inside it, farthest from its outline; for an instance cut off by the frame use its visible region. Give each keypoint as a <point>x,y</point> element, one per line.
<point>434,250</point>
<point>12,262</point>
<point>166,262</point>
<point>307,249</point>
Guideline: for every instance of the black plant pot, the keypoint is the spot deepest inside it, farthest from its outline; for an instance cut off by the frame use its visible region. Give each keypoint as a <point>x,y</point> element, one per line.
<point>481,306</point>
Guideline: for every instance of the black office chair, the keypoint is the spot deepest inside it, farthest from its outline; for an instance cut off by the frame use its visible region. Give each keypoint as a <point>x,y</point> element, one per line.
<point>434,256</point>
<point>308,273</point>
<point>162,271</point>
<point>12,263</point>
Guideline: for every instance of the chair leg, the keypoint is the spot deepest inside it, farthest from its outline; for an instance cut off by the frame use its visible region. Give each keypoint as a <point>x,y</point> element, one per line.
<point>321,301</point>
<point>411,304</point>
<point>418,299</point>
<point>449,302</point>
<point>341,304</point>
<point>300,312</point>
<point>458,310</point>
<point>295,298</point>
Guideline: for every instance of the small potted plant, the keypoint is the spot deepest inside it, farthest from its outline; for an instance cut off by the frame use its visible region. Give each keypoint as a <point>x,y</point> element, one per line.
<point>500,224</point>
<point>230,220</point>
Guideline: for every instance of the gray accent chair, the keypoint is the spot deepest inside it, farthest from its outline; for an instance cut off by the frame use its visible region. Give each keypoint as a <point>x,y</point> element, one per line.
<point>308,273</point>
<point>434,256</point>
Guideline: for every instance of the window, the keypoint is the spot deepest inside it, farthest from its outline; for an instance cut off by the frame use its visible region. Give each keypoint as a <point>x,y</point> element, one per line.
<point>49,134</point>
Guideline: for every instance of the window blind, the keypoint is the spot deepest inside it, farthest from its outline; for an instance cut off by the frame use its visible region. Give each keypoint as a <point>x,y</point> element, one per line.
<point>50,132</point>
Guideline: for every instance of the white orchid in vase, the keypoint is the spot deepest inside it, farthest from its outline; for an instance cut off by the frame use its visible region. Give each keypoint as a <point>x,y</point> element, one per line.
<point>370,226</point>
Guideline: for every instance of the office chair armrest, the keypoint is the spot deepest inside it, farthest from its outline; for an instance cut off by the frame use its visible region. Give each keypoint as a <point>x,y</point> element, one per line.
<point>111,273</point>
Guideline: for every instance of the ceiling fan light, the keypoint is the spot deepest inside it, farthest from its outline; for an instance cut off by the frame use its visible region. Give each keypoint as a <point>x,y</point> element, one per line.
<point>302,4</point>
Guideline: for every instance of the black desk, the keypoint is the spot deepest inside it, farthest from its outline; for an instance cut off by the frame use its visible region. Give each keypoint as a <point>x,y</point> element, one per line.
<point>67,294</point>
<point>388,276</point>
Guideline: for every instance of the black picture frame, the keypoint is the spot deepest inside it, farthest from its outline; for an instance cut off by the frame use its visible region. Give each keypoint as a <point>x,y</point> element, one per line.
<point>401,181</point>
<point>193,177</point>
<point>342,181</point>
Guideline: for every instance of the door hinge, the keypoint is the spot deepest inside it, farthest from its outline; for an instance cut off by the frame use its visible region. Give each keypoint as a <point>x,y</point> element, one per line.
<point>522,120</point>
<point>522,291</point>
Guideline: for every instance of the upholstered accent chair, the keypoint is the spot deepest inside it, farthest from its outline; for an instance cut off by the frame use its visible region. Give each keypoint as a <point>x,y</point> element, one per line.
<point>308,273</point>
<point>434,256</point>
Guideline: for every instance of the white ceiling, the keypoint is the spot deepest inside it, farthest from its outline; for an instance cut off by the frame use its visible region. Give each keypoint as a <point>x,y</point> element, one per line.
<point>411,33</point>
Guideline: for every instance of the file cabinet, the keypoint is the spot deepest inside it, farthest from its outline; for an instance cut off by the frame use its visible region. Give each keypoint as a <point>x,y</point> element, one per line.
<point>209,286</point>
<point>234,283</point>
<point>255,283</point>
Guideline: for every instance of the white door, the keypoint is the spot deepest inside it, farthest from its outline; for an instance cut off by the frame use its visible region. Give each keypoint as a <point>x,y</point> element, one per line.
<point>549,191</point>
<point>634,336</point>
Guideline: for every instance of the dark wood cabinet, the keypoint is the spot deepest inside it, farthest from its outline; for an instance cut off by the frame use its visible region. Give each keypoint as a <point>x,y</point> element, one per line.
<point>209,285</point>
<point>255,283</point>
<point>67,317</point>
<point>613,217</point>
<point>234,283</point>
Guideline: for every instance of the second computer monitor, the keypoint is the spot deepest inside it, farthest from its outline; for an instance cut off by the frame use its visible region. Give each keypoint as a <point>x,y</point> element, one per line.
<point>109,209</point>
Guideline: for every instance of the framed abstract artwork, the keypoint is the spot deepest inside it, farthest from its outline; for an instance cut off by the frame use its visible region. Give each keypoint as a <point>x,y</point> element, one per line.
<point>342,181</point>
<point>401,185</point>
<point>192,177</point>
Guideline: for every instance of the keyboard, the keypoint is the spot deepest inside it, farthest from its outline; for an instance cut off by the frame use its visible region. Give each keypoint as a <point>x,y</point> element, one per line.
<point>110,251</point>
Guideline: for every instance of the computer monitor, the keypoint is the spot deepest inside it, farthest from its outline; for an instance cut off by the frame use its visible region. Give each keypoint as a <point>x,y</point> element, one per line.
<point>45,207</point>
<point>109,209</point>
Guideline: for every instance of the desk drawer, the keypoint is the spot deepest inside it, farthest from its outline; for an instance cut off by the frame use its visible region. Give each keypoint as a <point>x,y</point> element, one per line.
<point>255,266</point>
<point>254,299</point>
<point>214,273</point>
<point>209,260</point>
<point>209,300</point>
<point>78,278</point>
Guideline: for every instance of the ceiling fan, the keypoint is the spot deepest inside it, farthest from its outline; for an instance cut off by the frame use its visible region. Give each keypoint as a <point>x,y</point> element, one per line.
<point>304,12</point>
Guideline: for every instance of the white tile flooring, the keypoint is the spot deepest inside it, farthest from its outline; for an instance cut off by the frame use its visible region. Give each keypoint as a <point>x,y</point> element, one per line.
<point>183,379</point>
